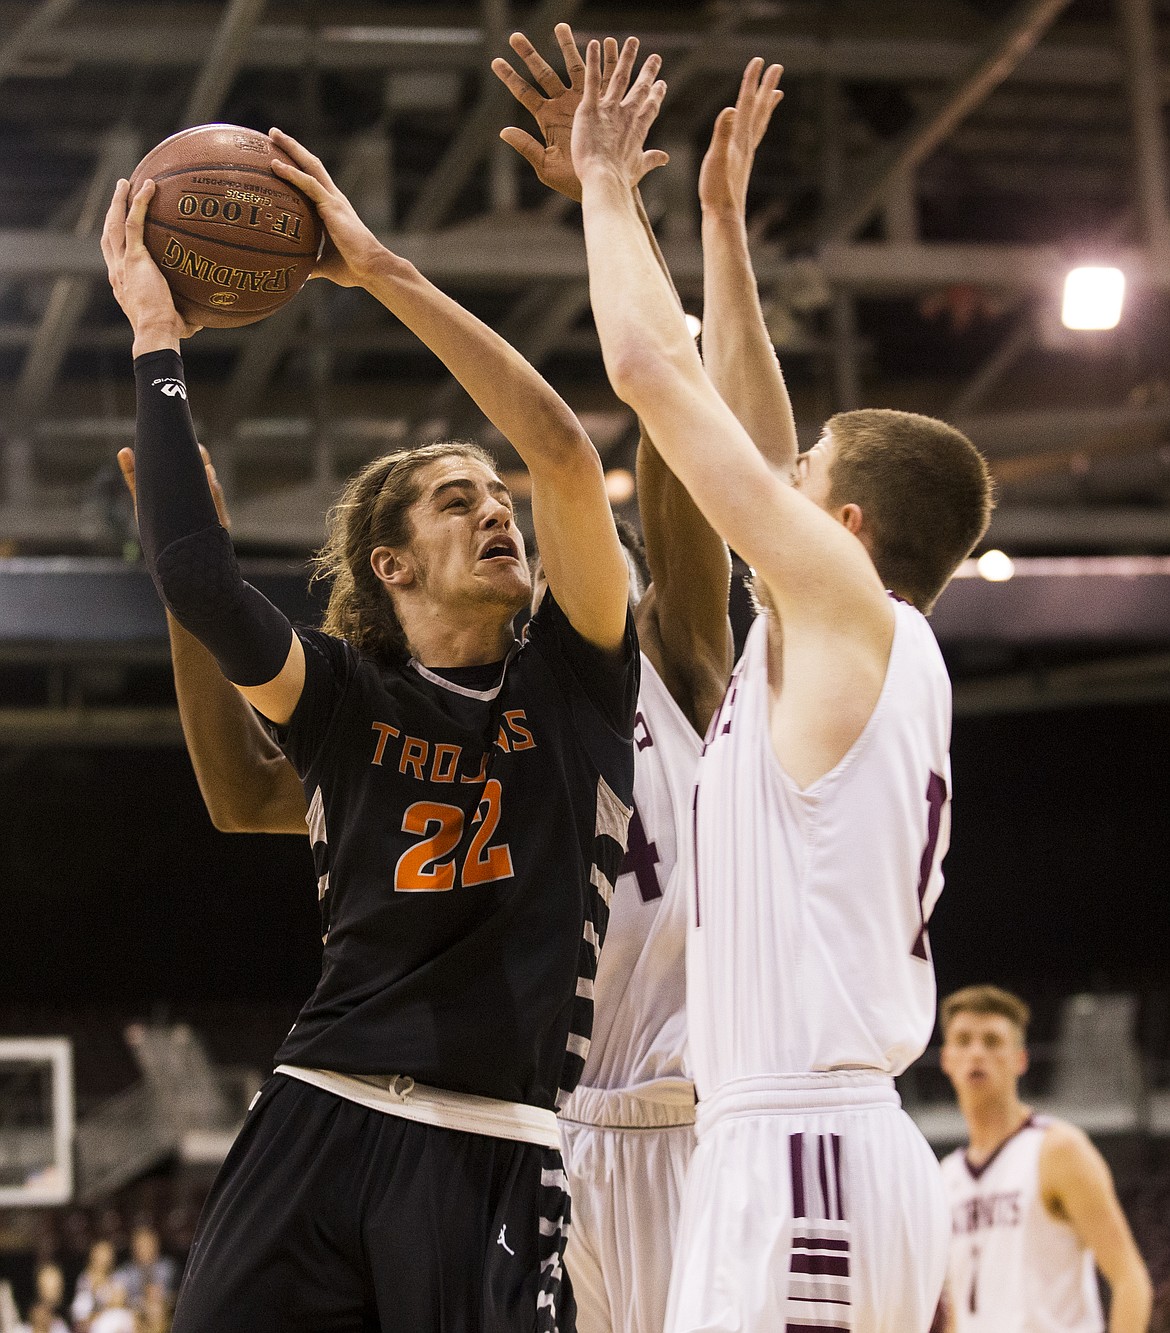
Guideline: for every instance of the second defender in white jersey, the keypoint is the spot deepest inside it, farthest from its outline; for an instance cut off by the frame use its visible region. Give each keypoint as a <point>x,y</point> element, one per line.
<point>812,1201</point>
<point>1033,1209</point>
<point>627,1132</point>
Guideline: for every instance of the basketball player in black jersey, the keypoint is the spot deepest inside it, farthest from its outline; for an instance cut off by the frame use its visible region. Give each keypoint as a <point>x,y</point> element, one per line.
<point>468,803</point>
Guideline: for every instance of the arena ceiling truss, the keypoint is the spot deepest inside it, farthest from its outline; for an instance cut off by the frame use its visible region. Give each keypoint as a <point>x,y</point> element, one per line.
<point>935,169</point>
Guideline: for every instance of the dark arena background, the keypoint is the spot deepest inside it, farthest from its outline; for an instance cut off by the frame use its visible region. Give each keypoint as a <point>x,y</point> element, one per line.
<point>934,171</point>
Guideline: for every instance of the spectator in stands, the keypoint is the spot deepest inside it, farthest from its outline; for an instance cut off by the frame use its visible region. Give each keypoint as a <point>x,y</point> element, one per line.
<point>46,1310</point>
<point>115,1317</point>
<point>42,1320</point>
<point>155,1315</point>
<point>147,1267</point>
<point>93,1286</point>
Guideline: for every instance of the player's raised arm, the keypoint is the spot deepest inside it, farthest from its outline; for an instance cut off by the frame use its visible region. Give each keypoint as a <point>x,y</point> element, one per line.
<point>1076,1184</point>
<point>813,565</point>
<point>247,784</point>
<point>682,621</point>
<point>574,526</point>
<point>737,349</point>
<point>187,549</point>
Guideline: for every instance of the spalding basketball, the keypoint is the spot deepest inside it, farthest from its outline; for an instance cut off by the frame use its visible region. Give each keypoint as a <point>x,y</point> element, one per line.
<point>234,240</point>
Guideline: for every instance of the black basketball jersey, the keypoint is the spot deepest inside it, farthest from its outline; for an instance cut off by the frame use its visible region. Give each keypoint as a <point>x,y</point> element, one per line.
<point>466,833</point>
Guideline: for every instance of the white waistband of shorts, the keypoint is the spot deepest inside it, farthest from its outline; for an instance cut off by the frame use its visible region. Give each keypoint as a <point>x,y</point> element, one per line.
<point>400,1095</point>
<point>660,1104</point>
<point>787,1094</point>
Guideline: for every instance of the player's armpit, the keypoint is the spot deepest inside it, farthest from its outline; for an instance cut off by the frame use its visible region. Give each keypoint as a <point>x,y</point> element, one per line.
<point>278,698</point>
<point>1076,1185</point>
<point>247,784</point>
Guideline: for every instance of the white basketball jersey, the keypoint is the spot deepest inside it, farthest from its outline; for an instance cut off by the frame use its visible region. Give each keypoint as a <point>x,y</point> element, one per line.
<point>807,948</point>
<point>639,1016</point>
<point>1014,1268</point>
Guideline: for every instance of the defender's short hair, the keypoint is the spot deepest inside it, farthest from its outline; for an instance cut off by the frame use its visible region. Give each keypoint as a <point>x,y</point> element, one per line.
<point>924,489</point>
<point>986,1000</point>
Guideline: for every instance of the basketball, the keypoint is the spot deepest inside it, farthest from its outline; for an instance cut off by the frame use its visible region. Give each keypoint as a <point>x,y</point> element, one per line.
<point>234,240</point>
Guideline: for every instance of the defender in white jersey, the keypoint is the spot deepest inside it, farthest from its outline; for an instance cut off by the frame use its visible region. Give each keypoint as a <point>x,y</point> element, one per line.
<point>627,1132</point>
<point>1033,1209</point>
<point>812,1201</point>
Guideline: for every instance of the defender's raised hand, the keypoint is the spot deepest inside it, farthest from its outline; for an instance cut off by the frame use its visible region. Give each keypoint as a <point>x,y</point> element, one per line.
<point>727,165</point>
<point>553,111</point>
<point>351,251</point>
<point>126,466</point>
<point>138,283</point>
<point>611,124</point>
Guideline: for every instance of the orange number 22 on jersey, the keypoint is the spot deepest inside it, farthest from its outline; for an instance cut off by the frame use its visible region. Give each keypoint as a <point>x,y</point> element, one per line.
<point>429,866</point>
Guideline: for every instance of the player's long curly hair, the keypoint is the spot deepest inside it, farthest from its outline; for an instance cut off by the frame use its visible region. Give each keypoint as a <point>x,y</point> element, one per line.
<point>374,510</point>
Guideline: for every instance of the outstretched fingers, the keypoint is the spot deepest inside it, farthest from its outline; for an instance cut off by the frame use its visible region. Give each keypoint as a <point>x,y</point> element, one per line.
<point>523,142</point>
<point>646,84</point>
<point>591,86</point>
<point>544,74</point>
<point>519,87</point>
<point>571,54</point>
<point>619,83</point>
<point>609,60</point>
<point>768,100</point>
<point>749,84</point>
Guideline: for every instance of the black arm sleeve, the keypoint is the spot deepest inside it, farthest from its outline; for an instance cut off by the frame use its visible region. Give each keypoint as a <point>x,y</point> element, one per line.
<point>188,551</point>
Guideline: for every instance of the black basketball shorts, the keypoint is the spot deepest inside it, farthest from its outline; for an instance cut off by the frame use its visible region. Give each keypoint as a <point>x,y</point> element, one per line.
<point>328,1217</point>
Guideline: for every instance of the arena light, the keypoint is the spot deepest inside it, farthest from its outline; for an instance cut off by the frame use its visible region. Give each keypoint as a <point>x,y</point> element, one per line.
<point>694,325</point>
<point>619,485</point>
<point>1093,298</point>
<point>995,566</point>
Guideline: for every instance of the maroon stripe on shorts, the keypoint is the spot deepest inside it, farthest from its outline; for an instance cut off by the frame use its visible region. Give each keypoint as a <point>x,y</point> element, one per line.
<point>816,1243</point>
<point>816,1328</point>
<point>828,1265</point>
<point>796,1157</point>
<point>823,1169</point>
<point>837,1175</point>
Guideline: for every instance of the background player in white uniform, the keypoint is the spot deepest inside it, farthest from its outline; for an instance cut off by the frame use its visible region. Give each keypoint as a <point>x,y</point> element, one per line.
<point>1032,1201</point>
<point>812,1201</point>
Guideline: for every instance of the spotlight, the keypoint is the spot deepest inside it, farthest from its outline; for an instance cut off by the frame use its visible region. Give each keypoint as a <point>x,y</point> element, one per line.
<point>995,566</point>
<point>619,485</point>
<point>1093,298</point>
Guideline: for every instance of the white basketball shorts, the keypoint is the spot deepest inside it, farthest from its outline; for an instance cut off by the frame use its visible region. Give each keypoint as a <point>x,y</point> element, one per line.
<point>813,1205</point>
<point>626,1166</point>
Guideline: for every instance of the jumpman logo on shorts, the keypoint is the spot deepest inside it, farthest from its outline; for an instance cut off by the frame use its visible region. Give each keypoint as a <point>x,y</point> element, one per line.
<point>501,1239</point>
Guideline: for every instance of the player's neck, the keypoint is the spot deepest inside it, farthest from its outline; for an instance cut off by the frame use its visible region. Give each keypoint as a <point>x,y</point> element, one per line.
<point>438,638</point>
<point>990,1121</point>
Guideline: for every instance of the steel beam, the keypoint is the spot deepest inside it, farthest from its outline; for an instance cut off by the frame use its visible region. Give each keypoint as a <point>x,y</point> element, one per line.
<point>1010,42</point>
<point>479,131</point>
<point>495,255</point>
<point>112,727</point>
<point>1145,101</point>
<point>224,58</point>
<point>151,43</point>
<point>70,294</point>
<point>1129,680</point>
<point>1105,528</point>
<point>43,17</point>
